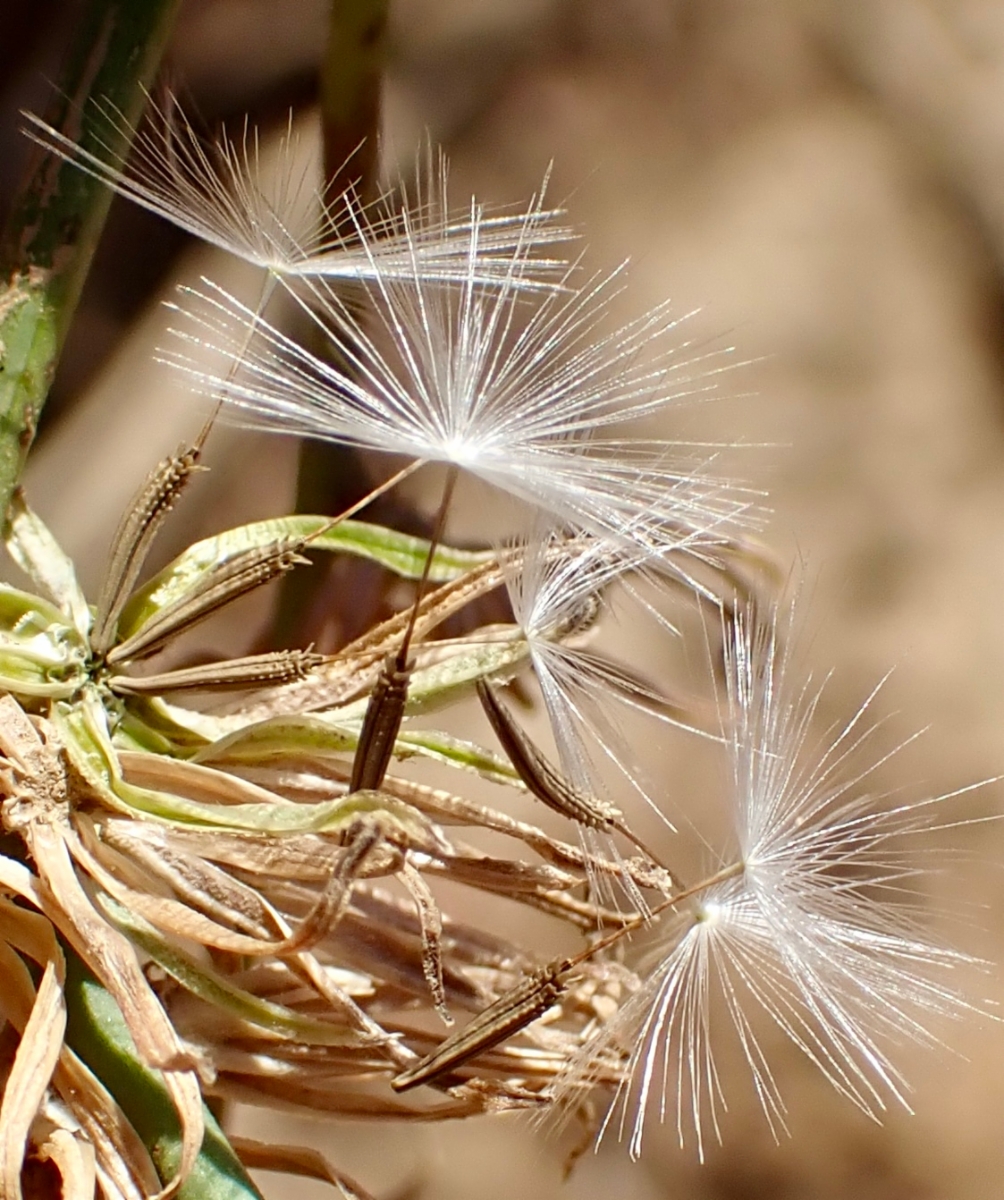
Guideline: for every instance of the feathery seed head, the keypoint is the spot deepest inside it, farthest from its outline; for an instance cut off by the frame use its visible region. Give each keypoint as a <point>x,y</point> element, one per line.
<point>810,926</point>
<point>525,397</point>
<point>558,593</point>
<point>269,209</point>
<point>471,349</point>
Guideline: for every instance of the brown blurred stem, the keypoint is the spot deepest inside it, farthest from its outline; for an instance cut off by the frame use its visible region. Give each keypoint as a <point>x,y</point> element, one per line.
<point>332,478</point>
<point>58,215</point>
<point>351,85</point>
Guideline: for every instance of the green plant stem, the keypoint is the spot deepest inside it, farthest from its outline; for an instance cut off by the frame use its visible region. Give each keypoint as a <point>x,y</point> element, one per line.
<point>96,1030</point>
<point>59,212</point>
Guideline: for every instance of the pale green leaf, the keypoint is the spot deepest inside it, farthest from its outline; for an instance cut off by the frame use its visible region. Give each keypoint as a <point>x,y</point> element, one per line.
<point>39,555</point>
<point>215,989</point>
<point>456,752</point>
<point>433,687</point>
<point>397,551</point>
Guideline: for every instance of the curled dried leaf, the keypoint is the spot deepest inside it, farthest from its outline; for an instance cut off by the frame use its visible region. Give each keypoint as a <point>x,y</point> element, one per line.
<point>296,1160</point>
<point>34,1062</point>
<point>74,1158</point>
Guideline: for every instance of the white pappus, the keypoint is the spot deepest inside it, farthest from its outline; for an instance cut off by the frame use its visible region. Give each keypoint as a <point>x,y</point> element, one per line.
<point>268,208</point>
<point>813,923</point>
<point>525,393</point>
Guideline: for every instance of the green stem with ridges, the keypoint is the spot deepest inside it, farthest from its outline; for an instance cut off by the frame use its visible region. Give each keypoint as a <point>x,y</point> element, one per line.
<point>58,215</point>
<point>98,1033</point>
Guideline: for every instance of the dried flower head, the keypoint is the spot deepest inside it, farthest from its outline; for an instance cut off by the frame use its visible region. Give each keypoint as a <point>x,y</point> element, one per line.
<point>153,829</point>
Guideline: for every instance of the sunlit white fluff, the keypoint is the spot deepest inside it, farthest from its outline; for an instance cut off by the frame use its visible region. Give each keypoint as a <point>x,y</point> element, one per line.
<point>267,209</point>
<point>810,923</point>
<point>533,399</point>
<point>558,592</point>
<point>558,584</point>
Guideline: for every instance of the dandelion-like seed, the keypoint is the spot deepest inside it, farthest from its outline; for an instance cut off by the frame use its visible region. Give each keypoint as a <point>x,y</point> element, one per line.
<point>810,924</point>
<point>268,209</point>
<point>530,400</point>
<point>558,594</point>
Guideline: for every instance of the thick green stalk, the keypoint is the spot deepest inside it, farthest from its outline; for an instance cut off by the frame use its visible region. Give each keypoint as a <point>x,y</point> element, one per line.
<point>97,1032</point>
<point>58,215</point>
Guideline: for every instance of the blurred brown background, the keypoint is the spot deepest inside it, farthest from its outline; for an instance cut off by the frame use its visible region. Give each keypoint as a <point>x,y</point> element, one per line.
<point>824,179</point>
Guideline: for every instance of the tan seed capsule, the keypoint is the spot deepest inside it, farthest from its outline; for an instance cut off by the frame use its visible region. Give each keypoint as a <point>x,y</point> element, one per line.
<point>532,997</point>
<point>134,537</point>
<point>257,670</point>
<point>240,574</point>
<point>547,784</point>
<point>509,1014</point>
<point>381,724</point>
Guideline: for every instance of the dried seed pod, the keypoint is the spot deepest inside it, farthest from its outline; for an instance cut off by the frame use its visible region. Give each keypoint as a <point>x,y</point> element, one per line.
<point>544,781</point>
<point>134,536</point>
<point>275,667</point>
<point>531,998</point>
<point>431,920</point>
<point>510,1013</point>
<point>381,724</point>
<point>240,574</point>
